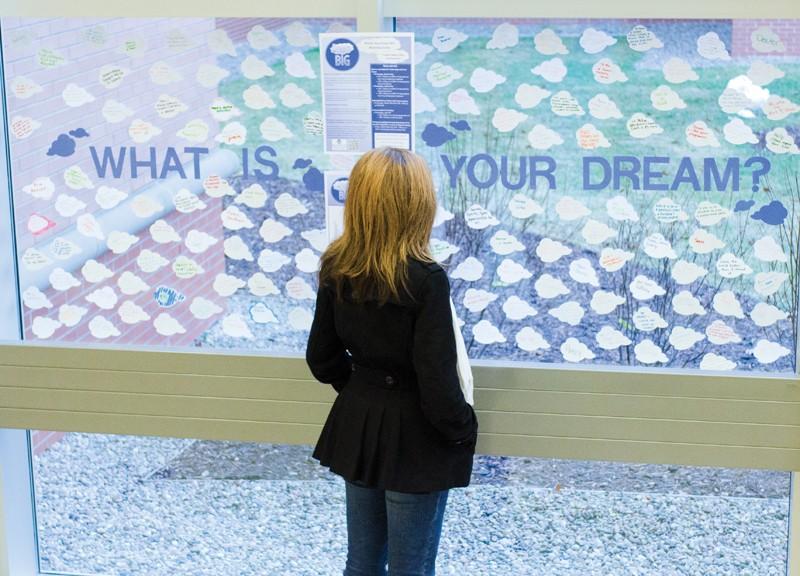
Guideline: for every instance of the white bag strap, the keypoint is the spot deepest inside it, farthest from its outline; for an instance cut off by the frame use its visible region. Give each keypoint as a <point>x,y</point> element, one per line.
<point>464,369</point>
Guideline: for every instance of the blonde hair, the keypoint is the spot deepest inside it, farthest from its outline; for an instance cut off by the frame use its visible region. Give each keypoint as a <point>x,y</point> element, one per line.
<point>388,217</point>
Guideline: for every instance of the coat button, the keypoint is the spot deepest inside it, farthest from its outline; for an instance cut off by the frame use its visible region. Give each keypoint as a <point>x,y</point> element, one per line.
<point>389,380</point>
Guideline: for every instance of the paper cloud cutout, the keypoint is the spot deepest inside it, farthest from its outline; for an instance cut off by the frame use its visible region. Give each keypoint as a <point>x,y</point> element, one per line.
<point>131,313</point>
<point>67,206</point>
<point>678,70</point>
<point>523,207</point>
<point>604,302</point>
<point>306,261</point>
<point>641,39</point>
<point>715,362</point>
<point>61,280</point>
<point>582,272</point>
<point>447,39</point>
<point>530,340</point>
<point>104,298</point>
<point>549,250</point>
<point>503,243</point>
<point>763,73</point>
<point>642,126</point>
<point>236,249</point>
<point>685,273</point>
<point>504,36</point>
<point>643,288</point>
<point>595,232</point>
<point>737,132</point>
<point>767,283</point>
<point>569,209</point>
<point>685,304</point>
<point>35,299</point>
<point>606,71</point>
<point>256,98</point>
<point>610,339</point>
<point>613,259</point>
<point>506,119</point>
<point>198,242</point>
<point>477,300</point>
<point>273,130</point>
<point>166,325</point>
<point>272,231</point>
<point>548,43</point>
<point>665,99</point>
<point>711,47</point>
<point>720,333</point>
<point>767,352</point>
<point>298,66</point>
<point>440,75</point>
<point>699,134</point>
<point>702,242</point>
<point>682,338</point>
<point>590,138</point>
<point>548,287</point>
<point>764,314</point>
<point>435,136</point>
<point>569,312</point>
<point>517,309</point>
<point>529,96</point>
<point>270,261</point>
<point>647,320</point>
<point>94,272</point>
<point>226,285</point>
<point>765,40</point>
<point>603,108</point>
<point>101,328</point>
<point>511,272</point>
<point>595,41</point>
<point>260,314</point>
<point>130,284</point>
<point>69,315</point>
<point>658,247</point>
<point>543,138</point>
<point>767,249</point>
<point>562,103</point>
<point>648,352</point>
<point>485,332</point>
<point>460,102</point>
<point>260,285</point>
<point>299,289</point>
<point>726,304</point>
<point>470,269</point>
<point>479,218</point>
<point>573,350</point>
<point>552,70</point>
<point>780,141</point>
<point>731,266</point>
<point>422,102</point>
<point>203,309</point>
<point>483,80</point>
<point>234,219</point>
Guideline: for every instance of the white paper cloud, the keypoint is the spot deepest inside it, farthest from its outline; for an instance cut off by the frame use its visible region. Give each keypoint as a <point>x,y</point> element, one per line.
<point>702,242</point>
<point>67,206</point>
<point>142,131</point>
<point>70,315</point>
<point>665,99</point>
<point>570,312</point>
<point>61,280</point>
<point>643,288</point>
<point>523,207</point>
<point>582,272</point>
<point>270,261</point>
<point>604,302</point>
<point>198,242</point>
<point>292,96</point>
<point>35,299</point>
<point>104,297</point>
<point>234,219</point>
<point>548,43</point>
<point>487,333</point>
<point>447,39</point>
<point>260,314</point>
<point>41,188</point>
<point>75,96</point>
<point>254,68</point>
<point>479,218</point>
<point>711,47</point>
<point>130,284</point>
<point>647,320</point>
<point>641,126</point>
<point>549,250</point>
<point>763,39</point>
<point>569,209</point>
<point>515,308</point>
<point>613,259</point>
<point>543,138</point>
<point>226,285</point>
<point>421,50</point>
<point>731,266</point>
<point>256,98</point>
<point>658,247</point>
<point>503,243</point>
<point>163,74</point>
<point>504,36</point>
<point>737,132</point>
<point>203,309</point>
<point>460,102</point>
<point>763,73</point>
<point>273,130</point>
<point>780,141</point>
<point>548,286</point>
<point>716,362</point>
<point>306,261</point>
<point>686,304</point>
<point>764,314</point>
<point>685,273</point>
<point>648,352</point>
<point>260,285</point>
<point>529,96</point>
<point>477,300</point>
<point>272,231</point>
<point>605,71</point>
<point>235,326</point>
<point>678,70</point>
<point>260,38</point>
<point>562,103</point>
<point>131,313</point>
<point>511,272</point>
<point>530,340</point>
<point>120,242</point>
<point>682,338</point>
<point>641,39</point>
<point>603,108</point>
<point>298,66</point>
<point>440,75</point>
<point>720,333</point>
<point>595,41</point>
<point>573,350</point>
<point>590,138</point>
<point>767,352</point>
<point>422,103</point>
<point>101,328</point>
<point>506,119</point>
<point>610,339</point>
<point>726,304</point>
<point>236,249</point>
<point>470,269</point>
<point>299,289</point>
<point>483,80</point>
<point>94,272</point>
<point>767,283</point>
<point>595,232</point>
<point>552,70</point>
<point>108,197</point>
<point>288,206</point>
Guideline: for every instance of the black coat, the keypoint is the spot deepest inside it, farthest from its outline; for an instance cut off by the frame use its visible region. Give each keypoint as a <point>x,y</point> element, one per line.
<point>400,421</point>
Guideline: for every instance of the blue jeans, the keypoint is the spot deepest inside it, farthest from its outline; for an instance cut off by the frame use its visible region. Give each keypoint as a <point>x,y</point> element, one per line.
<point>398,527</point>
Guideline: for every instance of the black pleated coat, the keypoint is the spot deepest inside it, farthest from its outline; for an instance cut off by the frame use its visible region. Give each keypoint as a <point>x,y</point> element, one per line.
<point>399,421</point>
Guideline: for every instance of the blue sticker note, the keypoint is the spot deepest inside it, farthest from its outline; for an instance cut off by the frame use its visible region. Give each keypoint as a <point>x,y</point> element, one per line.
<point>167,297</point>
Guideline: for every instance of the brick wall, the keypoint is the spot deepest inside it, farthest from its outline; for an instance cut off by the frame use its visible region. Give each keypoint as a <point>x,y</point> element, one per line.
<point>787,30</point>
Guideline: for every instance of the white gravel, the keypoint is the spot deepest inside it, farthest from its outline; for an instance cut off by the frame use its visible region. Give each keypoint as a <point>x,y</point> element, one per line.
<point>98,514</point>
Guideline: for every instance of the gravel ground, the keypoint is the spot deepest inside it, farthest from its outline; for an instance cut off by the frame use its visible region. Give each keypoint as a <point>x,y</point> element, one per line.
<point>120,505</point>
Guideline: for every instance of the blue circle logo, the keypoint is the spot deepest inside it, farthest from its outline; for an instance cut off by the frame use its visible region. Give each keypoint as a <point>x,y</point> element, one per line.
<point>341,54</point>
<point>339,189</point>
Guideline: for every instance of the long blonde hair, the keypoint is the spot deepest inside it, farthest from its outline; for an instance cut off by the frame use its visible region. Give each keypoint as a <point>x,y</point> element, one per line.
<point>388,217</point>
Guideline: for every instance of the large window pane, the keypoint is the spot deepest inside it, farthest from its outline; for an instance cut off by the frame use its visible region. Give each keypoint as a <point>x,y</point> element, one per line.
<point>167,178</point>
<point>121,505</point>
<point>606,195</point>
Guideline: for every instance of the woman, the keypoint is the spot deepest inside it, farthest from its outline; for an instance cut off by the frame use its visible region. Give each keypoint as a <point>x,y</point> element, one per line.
<point>400,431</point>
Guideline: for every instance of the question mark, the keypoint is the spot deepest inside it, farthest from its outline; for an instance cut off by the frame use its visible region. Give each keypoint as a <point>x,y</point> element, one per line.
<point>758,172</point>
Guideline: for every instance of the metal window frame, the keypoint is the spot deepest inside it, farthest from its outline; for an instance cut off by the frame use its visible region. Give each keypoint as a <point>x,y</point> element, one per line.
<point>557,411</point>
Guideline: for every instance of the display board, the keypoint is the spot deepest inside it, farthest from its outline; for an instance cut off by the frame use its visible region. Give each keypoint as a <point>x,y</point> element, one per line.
<point>611,192</point>
<point>619,192</point>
